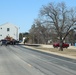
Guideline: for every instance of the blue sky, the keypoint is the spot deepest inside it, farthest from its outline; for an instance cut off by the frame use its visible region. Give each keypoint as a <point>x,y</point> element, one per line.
<point>23,12</point>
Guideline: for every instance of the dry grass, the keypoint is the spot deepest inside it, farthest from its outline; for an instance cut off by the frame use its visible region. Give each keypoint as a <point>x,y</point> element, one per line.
<point>71,52</point>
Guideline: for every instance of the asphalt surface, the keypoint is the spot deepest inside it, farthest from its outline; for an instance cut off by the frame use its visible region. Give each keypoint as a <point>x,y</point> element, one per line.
<point>19,60</point>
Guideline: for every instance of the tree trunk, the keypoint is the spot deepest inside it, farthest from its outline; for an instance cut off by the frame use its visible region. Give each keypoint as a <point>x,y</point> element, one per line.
<point>61,48</point>
<point>61,43</point>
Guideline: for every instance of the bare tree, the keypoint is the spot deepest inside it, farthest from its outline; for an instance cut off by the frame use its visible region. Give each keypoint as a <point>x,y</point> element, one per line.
<point>39,32</point>
<point>61,19</point>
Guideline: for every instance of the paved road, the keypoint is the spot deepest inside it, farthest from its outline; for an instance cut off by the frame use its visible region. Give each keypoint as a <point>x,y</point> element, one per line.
<point>17,60</point>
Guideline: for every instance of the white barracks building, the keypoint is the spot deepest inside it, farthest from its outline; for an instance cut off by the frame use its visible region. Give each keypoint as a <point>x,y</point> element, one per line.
<point>8,29</point>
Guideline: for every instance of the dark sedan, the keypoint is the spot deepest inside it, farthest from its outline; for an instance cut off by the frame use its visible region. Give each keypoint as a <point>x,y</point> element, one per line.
<point>3,42</point>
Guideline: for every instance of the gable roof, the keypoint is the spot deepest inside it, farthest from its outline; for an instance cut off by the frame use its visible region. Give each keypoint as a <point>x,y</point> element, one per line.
<point>8,24</point>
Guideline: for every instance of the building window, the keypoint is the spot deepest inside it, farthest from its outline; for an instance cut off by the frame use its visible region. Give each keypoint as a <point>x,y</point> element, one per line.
<point>8,29</point>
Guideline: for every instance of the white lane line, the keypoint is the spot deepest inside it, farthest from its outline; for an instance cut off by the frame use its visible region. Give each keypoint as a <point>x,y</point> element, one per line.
<point>29,65</point>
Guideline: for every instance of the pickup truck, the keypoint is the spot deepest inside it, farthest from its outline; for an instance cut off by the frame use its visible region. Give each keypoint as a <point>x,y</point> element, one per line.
<point>64,45</point>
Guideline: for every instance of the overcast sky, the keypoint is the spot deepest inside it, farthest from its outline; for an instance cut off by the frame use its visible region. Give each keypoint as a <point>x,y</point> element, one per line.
<point>23,12</point>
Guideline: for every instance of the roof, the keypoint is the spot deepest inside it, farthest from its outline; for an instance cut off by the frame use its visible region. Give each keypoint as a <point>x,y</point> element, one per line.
<point>8,24</point>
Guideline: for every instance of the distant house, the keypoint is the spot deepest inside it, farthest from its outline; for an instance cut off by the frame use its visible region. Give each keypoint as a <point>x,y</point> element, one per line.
<point>8,29</point>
